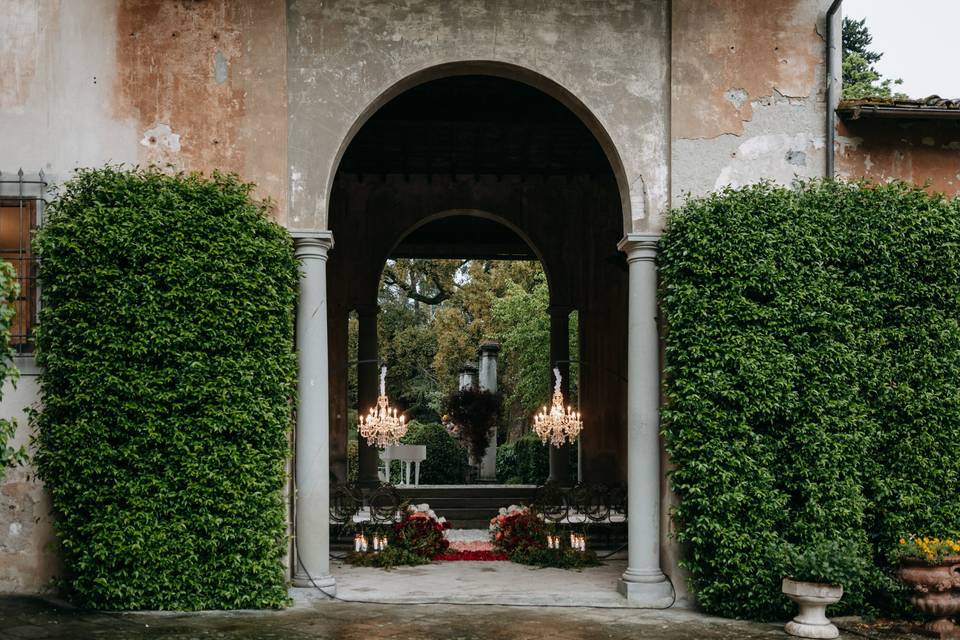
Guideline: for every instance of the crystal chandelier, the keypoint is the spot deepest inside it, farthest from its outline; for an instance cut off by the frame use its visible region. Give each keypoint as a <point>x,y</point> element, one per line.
<point>559,424</point>
<point>382,427</point>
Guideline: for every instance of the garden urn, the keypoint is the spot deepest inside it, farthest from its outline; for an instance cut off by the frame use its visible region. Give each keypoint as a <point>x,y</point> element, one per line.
<point>936,593</point>
<point>813,599</point>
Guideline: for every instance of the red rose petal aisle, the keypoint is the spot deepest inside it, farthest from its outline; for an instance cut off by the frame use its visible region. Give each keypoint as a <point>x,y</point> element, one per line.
<point>470,544</point>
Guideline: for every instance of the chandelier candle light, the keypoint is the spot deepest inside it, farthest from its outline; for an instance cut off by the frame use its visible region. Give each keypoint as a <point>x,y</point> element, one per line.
<point>559,425</point>
<point>382,427</point>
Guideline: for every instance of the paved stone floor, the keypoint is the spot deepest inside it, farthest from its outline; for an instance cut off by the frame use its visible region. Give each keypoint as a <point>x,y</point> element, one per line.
<point>28,618</point>
<point>487,583</point>
<point>25,618</point>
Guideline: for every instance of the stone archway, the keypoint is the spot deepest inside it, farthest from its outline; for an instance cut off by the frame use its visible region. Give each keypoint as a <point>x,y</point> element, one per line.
<point>575,210</point>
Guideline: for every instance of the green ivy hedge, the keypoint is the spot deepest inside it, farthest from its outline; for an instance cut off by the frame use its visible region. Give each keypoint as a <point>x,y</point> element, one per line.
<point>813,357</point>
<point>446,461</point>
<point>165,338</point>
<point>526,460</point>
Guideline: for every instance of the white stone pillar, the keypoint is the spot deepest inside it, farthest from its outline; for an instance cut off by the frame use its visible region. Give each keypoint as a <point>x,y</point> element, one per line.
<point>312,482</point>
<point>643,581</point>
<point>488,382</point>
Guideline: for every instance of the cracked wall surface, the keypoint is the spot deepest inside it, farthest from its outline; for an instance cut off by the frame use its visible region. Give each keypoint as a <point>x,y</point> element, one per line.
<point>747,93</point>
<point>925,152</point>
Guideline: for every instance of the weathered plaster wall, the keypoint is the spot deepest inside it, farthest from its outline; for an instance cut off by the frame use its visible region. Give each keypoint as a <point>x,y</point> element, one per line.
<point>28,553</point>
<point>747,92</point>
<point>198,84</point>
<point>346,56</point>
<point>920,151</point>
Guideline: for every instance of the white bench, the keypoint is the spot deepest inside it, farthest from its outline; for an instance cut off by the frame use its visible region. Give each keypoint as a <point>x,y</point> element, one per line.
<point>406,454</point>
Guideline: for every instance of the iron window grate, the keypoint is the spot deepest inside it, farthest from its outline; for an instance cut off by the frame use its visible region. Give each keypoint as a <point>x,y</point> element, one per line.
<point>21,209</point>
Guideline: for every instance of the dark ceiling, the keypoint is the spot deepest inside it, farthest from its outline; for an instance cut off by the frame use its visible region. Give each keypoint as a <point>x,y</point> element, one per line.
<point>464,237</point>
<point>478,125</point>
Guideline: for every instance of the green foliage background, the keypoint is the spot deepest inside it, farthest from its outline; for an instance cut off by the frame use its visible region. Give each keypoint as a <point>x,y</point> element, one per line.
<point>165,339</point>
<point>446,461</point>
<point>8,295</point>
<point>813,353</point>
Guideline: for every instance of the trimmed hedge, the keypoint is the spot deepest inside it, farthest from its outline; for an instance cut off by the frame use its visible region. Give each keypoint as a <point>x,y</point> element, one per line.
<point>166,341</point>
<point>446,461</point>
<point>813,359</point>
<point>523,461</point>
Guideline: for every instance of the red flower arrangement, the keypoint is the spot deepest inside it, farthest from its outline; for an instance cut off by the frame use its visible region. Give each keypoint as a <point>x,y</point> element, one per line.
<point>518,529</point>
<point>454,555</point>
<point>421,532</point>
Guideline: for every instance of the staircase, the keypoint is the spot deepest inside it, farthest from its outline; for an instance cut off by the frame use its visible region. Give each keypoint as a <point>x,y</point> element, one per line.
<point>468,507</point>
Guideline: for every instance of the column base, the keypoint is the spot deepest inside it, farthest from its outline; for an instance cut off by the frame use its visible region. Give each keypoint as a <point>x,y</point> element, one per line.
<point>325,583</point>
<point>649,590</point>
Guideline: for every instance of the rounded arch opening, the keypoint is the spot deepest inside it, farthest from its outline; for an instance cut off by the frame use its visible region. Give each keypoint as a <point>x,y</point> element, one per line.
<point>509,72</point>
<point>478,214</point>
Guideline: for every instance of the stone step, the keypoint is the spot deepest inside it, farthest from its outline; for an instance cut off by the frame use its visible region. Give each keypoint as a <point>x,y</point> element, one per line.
<point>447,502</point>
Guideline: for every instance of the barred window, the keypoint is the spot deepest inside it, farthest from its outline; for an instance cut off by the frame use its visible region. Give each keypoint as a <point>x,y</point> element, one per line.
<point>21,203</point>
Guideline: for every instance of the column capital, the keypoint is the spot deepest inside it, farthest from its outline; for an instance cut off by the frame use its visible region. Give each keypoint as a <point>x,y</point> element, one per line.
<point>639,246</point>
<point>489,346</point>
<point>312,243</point>
<point>562,310</point>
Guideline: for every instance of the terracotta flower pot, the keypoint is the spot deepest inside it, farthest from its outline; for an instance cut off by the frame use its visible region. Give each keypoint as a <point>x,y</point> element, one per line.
<point>936,592</point>
<point>813,599</point>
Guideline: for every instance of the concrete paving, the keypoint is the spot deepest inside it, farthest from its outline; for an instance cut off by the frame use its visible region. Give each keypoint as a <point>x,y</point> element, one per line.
<point>29,618</point>
<point>449,600</point>
<point>483,583</point>
<point>25,618</point>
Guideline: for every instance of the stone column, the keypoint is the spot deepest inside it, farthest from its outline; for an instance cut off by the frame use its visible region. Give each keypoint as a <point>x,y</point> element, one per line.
<point>643,581</point>
<point>368,389</point>
<point>468,376</point>
<point>488,382</point>
<point>560,358</point>
<point>312,467</point>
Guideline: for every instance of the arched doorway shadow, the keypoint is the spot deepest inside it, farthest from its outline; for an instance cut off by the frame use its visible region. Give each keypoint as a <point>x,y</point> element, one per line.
<point>632,205</point>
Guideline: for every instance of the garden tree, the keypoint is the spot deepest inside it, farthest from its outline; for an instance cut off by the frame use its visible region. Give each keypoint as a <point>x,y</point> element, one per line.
<point>523,330</point>
<point>434,314</point>
<point>9,456</point>
<point>860,78</point>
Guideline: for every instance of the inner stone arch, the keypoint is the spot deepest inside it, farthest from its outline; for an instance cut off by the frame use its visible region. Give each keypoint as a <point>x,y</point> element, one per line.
<point>482,143</point>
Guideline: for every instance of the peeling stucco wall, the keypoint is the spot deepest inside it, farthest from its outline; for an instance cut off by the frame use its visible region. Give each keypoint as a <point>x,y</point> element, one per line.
<point>196,84</point>
<point>747,92</point>
<point>609,55</point>
<point>205,83</point>
<point>925,152</point>
<point>28,549</point>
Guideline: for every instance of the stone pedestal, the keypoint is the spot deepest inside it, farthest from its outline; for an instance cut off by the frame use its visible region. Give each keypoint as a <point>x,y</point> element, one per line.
<point>312,464</point>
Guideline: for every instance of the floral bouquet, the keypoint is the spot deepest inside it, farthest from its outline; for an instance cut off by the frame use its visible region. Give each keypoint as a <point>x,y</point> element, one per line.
<point>421,532</point>
<point>931,550</point>
<point>518,529</point>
